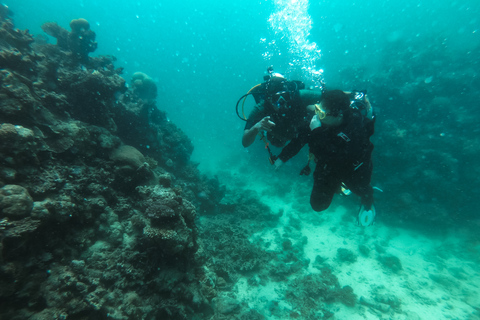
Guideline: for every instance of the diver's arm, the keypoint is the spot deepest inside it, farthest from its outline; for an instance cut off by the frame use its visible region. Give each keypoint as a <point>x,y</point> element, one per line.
<point>294,146</point>
<point>249,134</point>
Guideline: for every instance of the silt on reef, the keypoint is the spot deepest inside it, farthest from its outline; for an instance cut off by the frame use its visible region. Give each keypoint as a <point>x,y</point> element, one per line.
<point>93,223</point>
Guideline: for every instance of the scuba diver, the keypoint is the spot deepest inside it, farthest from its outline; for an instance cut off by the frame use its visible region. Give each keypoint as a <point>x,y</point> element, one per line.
<point>280,110</point>
<point>339,140</point>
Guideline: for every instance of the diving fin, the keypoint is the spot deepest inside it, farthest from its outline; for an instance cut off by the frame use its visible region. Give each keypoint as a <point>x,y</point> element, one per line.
<point>366,217</point>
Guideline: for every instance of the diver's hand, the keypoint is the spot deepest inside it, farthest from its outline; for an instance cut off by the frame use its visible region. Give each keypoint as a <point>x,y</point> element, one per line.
<point>265,124</point>
<point>315,123</point>
<point>278,163</point>
<point>249,134</point>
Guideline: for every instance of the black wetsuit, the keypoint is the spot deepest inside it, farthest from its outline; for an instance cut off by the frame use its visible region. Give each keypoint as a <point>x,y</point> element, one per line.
<point>343,154</point>
<point>288,117</point>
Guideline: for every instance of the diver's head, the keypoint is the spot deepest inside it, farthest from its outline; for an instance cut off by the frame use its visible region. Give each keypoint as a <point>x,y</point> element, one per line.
<point>332,107</point>
<point>274,81</point>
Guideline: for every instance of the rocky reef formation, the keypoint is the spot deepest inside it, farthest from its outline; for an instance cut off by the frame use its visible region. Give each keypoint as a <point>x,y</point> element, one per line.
<point>80,41</point>
<point>425,94</point>
<point>98,196</point>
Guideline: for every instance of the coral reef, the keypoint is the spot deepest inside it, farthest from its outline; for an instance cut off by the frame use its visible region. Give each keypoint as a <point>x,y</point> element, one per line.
<point>97,193</point>
<point>15,201</point>
<point>234,253</point>
<point>80,41</point>
<point>313,291</point>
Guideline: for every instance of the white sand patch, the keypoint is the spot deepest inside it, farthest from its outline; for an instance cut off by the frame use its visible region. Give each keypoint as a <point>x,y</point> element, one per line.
<point>261,298</point>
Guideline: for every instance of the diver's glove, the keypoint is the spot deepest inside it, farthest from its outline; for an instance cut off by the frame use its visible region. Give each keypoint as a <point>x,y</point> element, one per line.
<point>315,123</point>
<point>366,217</point>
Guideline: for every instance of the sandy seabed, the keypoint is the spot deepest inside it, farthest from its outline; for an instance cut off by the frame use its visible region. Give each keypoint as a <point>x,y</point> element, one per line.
<point>438,278</point>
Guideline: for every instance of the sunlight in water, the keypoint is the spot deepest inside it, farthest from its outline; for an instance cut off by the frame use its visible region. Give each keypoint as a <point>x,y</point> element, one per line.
<point>291,25</point>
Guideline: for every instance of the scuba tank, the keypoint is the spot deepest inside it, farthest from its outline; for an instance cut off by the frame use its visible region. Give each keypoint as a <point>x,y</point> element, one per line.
<point>359,101</point>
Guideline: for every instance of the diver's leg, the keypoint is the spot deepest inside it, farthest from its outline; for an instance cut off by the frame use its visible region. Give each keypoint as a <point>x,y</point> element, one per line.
<point>359,183</point>
<point>325,184</point>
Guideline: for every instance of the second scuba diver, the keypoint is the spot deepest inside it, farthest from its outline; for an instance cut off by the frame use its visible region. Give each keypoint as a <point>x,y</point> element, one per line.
<point>281,109</point>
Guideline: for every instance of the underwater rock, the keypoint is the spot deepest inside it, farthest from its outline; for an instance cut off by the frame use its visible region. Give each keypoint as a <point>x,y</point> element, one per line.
<point>11,38</point>
<point>319,262</point>
<point>131,168</point>
<point>345,255</point>
<point>310,293</point>
<point>251,315</point>
<point>390,262</point>
<point>170,222</point>
<point>385,308</point>
<point>17,97</point>
<point>15,140</point>
<point>165,180</point>
<point>384,296</point>
<point>15,201</point>
<point>20,228</point>
<point>7,175</point>
<point>364,250</point>
<point>444,280</point>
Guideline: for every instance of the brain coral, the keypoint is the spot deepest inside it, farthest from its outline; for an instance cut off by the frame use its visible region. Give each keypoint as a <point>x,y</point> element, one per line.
<point>144,86</point>
<point>128,155</point>
<point>15,201</point>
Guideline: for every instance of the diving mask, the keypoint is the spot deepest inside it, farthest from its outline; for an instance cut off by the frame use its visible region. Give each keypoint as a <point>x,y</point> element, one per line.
<point>320,112</point>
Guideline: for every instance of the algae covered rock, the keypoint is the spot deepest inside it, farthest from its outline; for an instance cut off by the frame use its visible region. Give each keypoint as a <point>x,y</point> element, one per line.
<point>345,255</point>
<point>390,262</point>
<point>15,201</point>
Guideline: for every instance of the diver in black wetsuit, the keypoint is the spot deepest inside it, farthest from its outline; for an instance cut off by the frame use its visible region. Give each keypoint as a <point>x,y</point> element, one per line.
<point>339,139</point>
<point>281,109</point>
